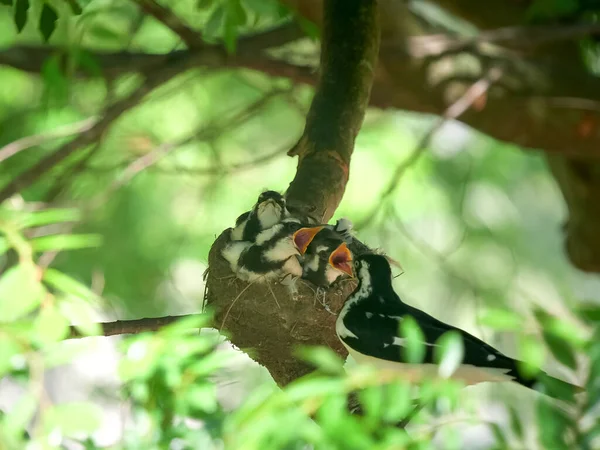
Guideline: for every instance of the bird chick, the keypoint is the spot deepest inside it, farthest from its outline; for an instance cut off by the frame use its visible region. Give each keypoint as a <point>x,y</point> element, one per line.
<point>327,258</point>
<point>272,255</point>
<point>268,210</point>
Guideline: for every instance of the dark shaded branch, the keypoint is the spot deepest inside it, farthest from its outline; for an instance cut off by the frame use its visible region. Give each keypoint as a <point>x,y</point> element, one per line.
<point>350,44</point>
<point>132,326</point>
<point>164,15</point>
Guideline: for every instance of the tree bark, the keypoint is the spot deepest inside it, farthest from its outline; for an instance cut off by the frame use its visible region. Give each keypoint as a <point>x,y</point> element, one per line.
<point>265,318</point>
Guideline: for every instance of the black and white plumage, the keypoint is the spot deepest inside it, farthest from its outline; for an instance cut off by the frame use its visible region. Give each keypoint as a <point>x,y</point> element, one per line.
<point>272,255</point>
<point>368,326</point>
<point>327,258</point>
<point>268,210</point>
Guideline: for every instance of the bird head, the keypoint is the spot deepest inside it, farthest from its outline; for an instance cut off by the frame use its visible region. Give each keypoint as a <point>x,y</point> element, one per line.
<point>304,236</point>
<point>341,259</point>
<point>374,267</point>
<point>270,208</point>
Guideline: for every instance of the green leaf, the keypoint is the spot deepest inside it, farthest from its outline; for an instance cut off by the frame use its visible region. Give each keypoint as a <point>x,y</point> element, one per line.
<point>398,401</point>
<point>87,61</point>
<point>322,358</point>
<point>49,216</point>
<point>48,19</point>
<point>20,292</point>
<point>81,316</point>
<point>20,17</point>
<point>8,350</point>
<point>6,2</point>
<point>68,285</point>
<point>75,8</point>
<point>65,242</point>
<point>499,435</point>
<point>213,25</point>
<point>22,412</point>
<point>203,397</point>
<point>531,354</point>
<point>449,353</point>
<point>203,4</point>
<point>56,85</point>
<point>561,350</point>
<point>590,312</point>
<point>50,325</point>
<point>4,245</point>
<point>309,27</point>
<point>413,349</point>
<point>515,423</point>
<point>501,319</point>
<point>73,418</point>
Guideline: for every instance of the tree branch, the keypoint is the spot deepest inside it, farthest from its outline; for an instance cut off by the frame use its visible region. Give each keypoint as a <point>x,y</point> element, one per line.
<point>350,46</point>
<point>131,326</point>
<point>171,21</point>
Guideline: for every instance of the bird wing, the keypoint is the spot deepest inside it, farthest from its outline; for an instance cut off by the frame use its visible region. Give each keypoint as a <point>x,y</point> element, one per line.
<point>376,332</point>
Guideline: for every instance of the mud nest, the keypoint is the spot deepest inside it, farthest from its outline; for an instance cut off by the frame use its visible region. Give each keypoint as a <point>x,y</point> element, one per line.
<point>266,322</point>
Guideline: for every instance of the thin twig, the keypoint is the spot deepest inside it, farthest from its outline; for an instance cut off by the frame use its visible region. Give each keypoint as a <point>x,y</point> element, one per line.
<point>132,326</point>
<point>41,138</point>
<point>176,169</point>
<point>452,112</point>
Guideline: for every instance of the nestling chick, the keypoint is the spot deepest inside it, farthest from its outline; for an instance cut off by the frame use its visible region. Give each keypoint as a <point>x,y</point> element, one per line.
<point>268,210</point>
<point>272,255</point>
<point>326,248</point>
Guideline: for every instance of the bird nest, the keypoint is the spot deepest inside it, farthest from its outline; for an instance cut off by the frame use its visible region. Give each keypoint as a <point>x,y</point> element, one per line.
<point>267,322</point>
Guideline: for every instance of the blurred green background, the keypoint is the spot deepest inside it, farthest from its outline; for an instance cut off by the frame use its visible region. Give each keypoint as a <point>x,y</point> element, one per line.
<point>475,223</point>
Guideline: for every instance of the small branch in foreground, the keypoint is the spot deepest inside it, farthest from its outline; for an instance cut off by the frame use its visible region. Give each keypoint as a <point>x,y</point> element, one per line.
<point>132,326</point>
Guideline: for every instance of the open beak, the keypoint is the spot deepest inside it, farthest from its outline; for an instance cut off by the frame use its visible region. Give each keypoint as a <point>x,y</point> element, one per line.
<point>341,259</point>
<point>304,236</point>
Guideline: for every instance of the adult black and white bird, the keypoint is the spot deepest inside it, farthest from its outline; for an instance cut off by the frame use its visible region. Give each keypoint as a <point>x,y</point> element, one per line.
<point>268,210</point>
<point>272,255</point>
<point>369,323</point>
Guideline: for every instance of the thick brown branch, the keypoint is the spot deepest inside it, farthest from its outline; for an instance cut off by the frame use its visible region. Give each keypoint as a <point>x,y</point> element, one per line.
<point>350,46</point>
<point>169,19</point>
<point>132,326</point>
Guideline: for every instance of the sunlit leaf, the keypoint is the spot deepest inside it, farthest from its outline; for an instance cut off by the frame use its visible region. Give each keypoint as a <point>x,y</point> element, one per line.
<point>20,17</point>
<point>22,412</point>
<point>73,418</point>
<point>49,216</point>
<point>202,396</point>
<point>51,325</point>
<point>8,350</point>
<point>48,19</point>
<point>81,316</point>
<point>322,358</point>
<point>398,401</point>
<point>501,319</point>
<point>531,354</point>
<point>68,285</point>
<point>60,242</point>
<point>20,292</point>
<point>413,346</point>
<point>449,353</point>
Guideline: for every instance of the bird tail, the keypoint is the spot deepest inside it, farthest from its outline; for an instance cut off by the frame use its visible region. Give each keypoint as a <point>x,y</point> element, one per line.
<point>550,386</point>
